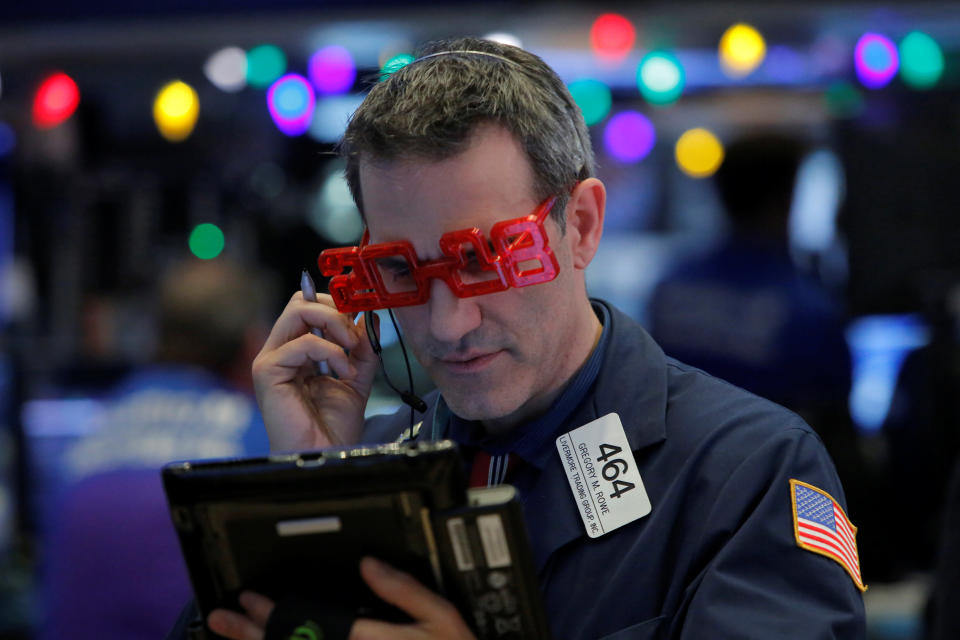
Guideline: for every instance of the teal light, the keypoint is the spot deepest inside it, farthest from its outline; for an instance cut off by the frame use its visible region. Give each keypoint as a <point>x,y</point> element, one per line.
<point>265,64</point>
<point>843,100</point>
<point>921,60</point>
<point>394,64</point>
<point>206,241</point>
<point>661,78</point>
<point>594,99</point>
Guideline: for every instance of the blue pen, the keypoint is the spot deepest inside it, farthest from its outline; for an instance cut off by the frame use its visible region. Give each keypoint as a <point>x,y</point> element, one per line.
<point>309,291</point>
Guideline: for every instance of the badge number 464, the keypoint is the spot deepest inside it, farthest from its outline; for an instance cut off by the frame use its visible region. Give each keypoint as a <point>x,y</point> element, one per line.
<point>606,485</point>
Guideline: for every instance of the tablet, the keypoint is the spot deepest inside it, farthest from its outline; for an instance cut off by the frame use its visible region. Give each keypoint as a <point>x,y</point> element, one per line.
<point>296,526</point>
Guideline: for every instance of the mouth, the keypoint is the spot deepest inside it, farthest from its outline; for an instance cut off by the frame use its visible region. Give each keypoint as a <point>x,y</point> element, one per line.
<point>469,363</point>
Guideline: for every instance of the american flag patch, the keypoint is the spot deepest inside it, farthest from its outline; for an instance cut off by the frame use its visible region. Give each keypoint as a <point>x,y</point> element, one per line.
<point>821,526</point>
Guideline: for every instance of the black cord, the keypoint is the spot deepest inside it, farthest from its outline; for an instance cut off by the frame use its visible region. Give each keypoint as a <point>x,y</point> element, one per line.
<point>408,397</point>
<point>406,361</point>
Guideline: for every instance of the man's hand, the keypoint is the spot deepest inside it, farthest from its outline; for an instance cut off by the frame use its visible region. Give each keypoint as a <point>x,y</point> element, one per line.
<point>301,409</point>
<point>434,617</point>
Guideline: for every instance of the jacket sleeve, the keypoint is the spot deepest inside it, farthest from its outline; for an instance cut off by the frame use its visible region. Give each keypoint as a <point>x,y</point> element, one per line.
<point>188,626</point>
<point>760,583</point>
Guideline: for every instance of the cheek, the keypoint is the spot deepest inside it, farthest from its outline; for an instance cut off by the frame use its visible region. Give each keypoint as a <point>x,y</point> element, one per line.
<point>412,321</point>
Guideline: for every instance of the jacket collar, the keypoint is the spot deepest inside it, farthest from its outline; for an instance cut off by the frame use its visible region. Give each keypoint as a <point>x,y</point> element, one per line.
<point>632,383</point>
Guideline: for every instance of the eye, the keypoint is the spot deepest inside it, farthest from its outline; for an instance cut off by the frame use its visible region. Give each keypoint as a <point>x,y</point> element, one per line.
<point>394,269</point>
<point>399,270</point>
<point>471,261</point>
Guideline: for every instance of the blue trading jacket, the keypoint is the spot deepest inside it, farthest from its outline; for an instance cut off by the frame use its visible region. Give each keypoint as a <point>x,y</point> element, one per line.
<point>718,556</point>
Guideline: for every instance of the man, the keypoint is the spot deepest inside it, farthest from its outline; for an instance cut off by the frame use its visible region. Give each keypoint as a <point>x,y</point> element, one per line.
<point>112,564</point>
<point>477,134</point>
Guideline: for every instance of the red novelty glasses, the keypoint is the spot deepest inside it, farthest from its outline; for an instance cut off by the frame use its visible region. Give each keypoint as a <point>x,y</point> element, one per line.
<point>388,274</point>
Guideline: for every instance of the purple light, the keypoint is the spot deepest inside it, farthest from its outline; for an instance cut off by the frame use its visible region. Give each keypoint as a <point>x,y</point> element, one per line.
<point>876,60</point>
<point>629,136</point>
<point>291,102</point>
<point>332,70</point>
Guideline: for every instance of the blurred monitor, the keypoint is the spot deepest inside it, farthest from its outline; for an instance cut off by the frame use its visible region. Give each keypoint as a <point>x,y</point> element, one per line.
<point>879,345</point>
<point>51,427</point>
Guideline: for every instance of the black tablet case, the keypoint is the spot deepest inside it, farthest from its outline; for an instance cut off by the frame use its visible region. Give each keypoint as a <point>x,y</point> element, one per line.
<point>297,526</point>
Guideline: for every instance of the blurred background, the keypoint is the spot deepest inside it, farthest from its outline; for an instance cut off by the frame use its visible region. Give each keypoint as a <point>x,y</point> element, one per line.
<point>782,212</point>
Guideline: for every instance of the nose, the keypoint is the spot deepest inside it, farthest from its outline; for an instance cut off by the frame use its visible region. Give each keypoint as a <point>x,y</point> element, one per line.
<point>451,317</point>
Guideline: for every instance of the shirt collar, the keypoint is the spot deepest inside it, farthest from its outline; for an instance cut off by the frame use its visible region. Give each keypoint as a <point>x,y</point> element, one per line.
<point>529,440</point>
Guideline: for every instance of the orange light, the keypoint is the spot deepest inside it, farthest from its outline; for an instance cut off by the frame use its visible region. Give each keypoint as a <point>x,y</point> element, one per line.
<point>55,101</point>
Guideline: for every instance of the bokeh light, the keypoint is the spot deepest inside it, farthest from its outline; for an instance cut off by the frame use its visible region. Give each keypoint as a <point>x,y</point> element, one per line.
<point>55,101</point>
<point>8,139</point>
<point>332,70</point>
<point>504,38</point>
<point>876,60</point>
<point>331,115</point>
<point>206,241</point>
<point>742,49</point>
<point>175,111</point>
<point>629,136</point>
<point>226,69</point>
<point>921,60</point>
<point>593,97</point>
<point>612,36</point>
<point>291,102</point>
<point>843,100</point>
<point>394,64</point>
<point>786,64</point>
<point>661,78</point>
<point>699,153</point>
<point>333,213</point>
<point>265,64</point>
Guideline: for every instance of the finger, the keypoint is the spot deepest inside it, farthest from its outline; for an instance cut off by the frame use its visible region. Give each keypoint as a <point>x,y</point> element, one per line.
<point>233,625</point>
<point>298,317</point>
<point>367,629</point>
<point>258,607</point>
<point>364,350</point>
<point>281,365</point>
<point>403,591</point>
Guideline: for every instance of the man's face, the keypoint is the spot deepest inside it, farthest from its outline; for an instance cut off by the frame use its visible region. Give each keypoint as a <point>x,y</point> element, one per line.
<point>495,357</point>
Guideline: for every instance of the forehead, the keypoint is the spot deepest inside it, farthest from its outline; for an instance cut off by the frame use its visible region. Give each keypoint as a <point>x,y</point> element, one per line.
<point>490,180</point>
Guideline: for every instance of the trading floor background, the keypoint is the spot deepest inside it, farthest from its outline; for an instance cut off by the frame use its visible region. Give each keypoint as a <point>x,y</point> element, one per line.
<point>136,138</point>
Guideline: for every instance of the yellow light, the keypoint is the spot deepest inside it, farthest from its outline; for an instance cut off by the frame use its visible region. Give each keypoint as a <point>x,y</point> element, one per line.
<point>175,111</point>
<point>699,153</point>
<point>742,49</point>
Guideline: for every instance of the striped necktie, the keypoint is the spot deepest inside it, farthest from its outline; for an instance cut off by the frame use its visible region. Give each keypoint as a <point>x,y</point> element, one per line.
<point>489,471</point>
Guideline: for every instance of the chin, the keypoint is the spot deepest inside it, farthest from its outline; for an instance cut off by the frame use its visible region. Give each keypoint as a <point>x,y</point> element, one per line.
<point>478,406</point>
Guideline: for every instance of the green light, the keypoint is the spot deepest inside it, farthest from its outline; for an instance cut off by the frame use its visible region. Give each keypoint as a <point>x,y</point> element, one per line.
<point>843,100</point>
<point>206,241</point>
<point>394,64</point>
<point>660,77</point>
<point>265,64</point>
<point>594,99</point>
<point>921,60</point>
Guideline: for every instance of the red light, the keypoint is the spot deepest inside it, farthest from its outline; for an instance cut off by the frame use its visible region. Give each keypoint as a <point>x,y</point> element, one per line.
<point>612,36</point>
<point>55,101</point>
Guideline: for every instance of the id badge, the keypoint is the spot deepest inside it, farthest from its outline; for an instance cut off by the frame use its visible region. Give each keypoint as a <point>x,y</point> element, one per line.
<point>603,475</point>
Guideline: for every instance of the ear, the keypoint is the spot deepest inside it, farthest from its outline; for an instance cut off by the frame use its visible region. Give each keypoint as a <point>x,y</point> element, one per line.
<point>585,220</point>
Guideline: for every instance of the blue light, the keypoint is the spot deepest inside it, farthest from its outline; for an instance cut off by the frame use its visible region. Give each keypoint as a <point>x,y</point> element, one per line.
<point>291,103</point>
<point>8,139</point>
<point>879,345</point>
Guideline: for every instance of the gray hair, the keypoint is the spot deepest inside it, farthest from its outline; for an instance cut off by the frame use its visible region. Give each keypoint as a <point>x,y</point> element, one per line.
<point>429,109</point>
